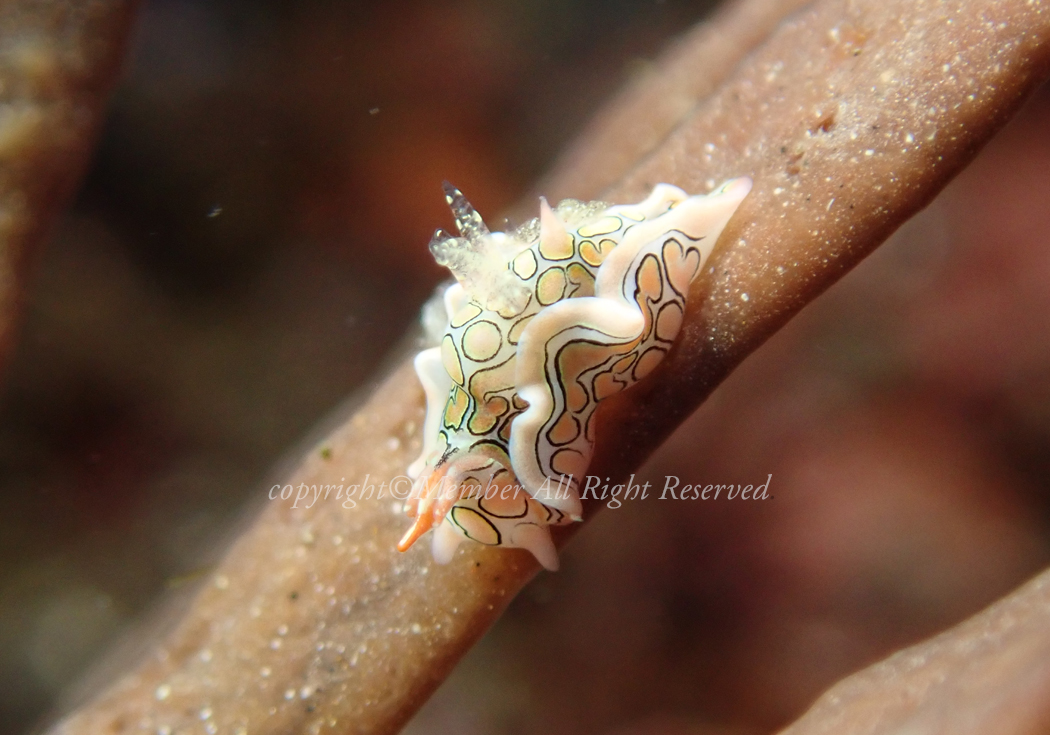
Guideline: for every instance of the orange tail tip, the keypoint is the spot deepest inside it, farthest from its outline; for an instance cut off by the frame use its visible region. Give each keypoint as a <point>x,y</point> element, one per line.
<point>423,523</point>
<point>429,506</point>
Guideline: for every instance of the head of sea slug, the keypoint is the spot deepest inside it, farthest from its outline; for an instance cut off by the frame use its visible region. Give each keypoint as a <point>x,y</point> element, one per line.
<point>478,258</point>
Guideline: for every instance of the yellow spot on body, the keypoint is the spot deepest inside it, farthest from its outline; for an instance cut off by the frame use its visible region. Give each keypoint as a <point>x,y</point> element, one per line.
<point>551,286</point>
<point>682,266</point>
<point>456,408</point>
<point>603,226</point>
<point>565,429</point>
<point>669,321</point>
<point>573,360</point>
<point>647,362</point>
<point>559,248</point>
<point>595,254</point>
<point>525,264</point>
<point>581,279</point>
<point>575,397</point>
<point>606,385</point>
<point>485,418</point>
<point>450,359</point>
<point>568,462</point>
<point>492,380</point>
<point>475,525</point>
<point>624,363</point>
<point>650,280</point>
<point>489,387</point>
<point>481,341</point>
<point>578,357</point>
<point>464,315</point>
<point>505,501</point>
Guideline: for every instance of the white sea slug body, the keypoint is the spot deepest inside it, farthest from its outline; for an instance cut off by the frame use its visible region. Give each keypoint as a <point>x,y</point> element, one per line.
<point>545,322</point>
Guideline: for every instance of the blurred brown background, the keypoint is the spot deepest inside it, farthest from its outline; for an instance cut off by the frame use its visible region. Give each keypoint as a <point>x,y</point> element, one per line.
<point>250,245</point>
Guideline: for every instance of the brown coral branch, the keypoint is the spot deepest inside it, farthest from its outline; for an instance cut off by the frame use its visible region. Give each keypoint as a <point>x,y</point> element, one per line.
<point>849,119</point>
<point>660,98</point>
<point>989,674</point>
<point>58,64</point>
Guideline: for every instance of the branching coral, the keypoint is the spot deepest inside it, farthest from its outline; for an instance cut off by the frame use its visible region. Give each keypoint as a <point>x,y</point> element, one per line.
<point>849,119</point>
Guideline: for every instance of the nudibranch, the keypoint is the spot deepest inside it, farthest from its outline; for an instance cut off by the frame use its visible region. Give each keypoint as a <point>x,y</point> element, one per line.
<point>542,324</point>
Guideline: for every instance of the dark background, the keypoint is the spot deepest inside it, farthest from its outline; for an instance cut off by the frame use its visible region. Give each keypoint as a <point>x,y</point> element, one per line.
<point>250,246</point>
